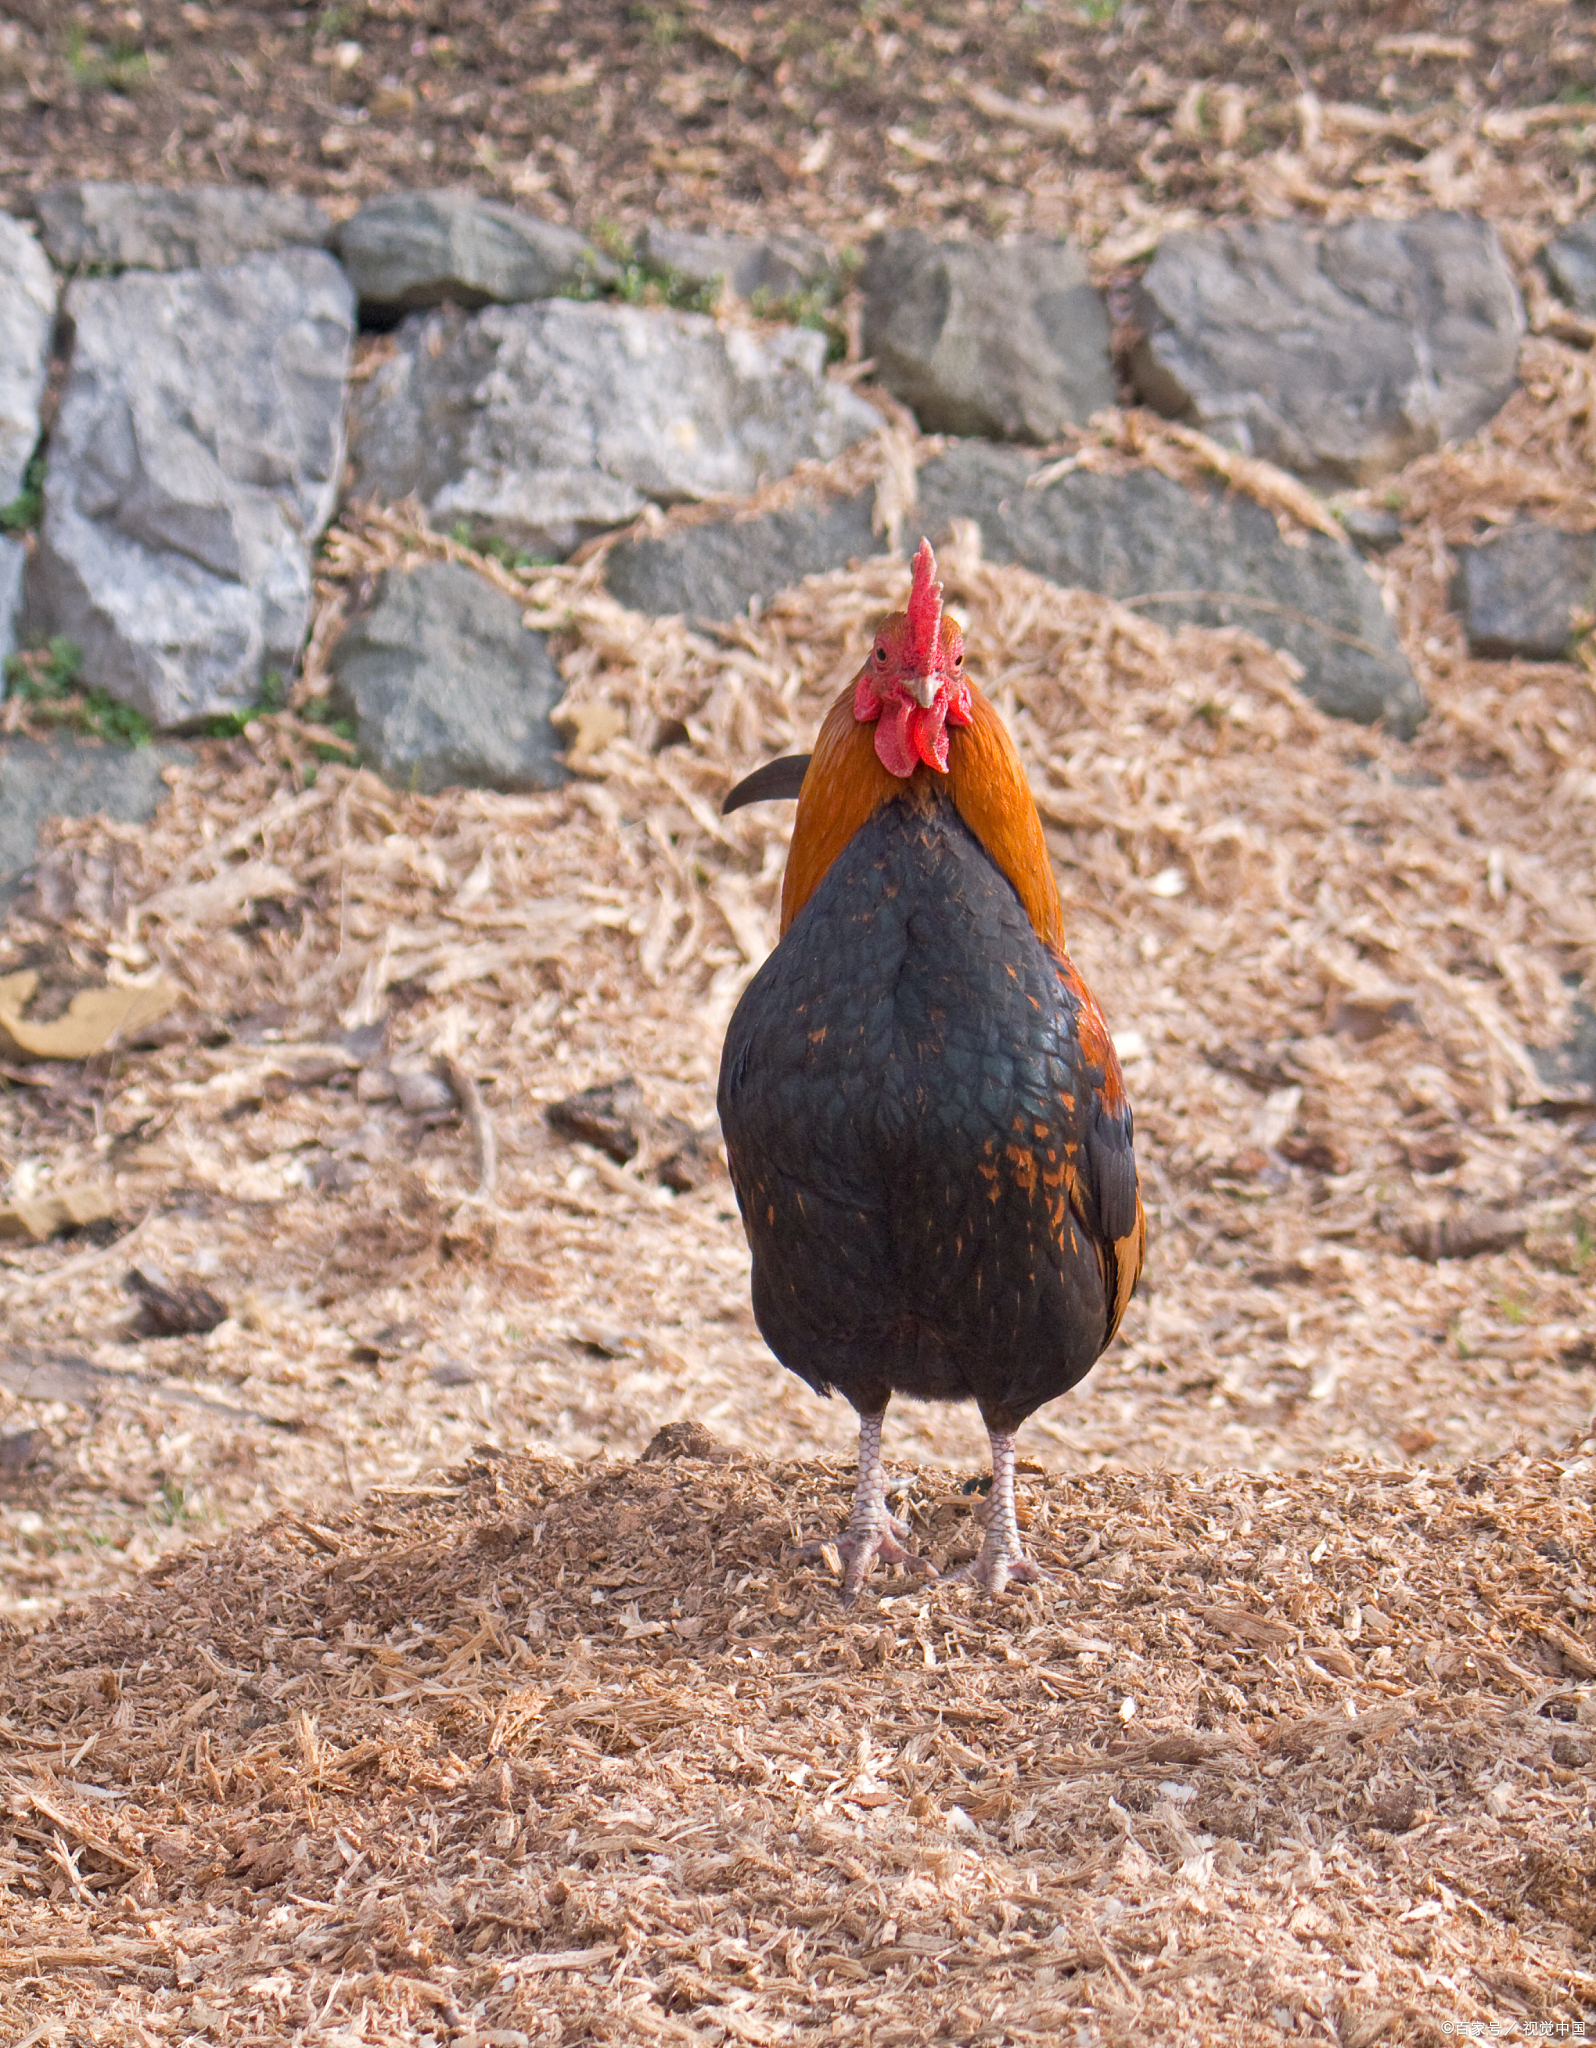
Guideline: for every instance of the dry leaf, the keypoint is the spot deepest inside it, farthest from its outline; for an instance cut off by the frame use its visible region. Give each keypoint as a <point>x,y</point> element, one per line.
<point>63,1209</point>
<point>94,1018</point>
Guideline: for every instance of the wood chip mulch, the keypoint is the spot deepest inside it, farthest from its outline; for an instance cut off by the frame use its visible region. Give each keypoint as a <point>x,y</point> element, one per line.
<point>550,1752</point>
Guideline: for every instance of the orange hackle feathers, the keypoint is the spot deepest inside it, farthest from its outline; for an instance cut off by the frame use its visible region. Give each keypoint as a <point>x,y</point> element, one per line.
<point>847,781</point>
<point>889,734</point>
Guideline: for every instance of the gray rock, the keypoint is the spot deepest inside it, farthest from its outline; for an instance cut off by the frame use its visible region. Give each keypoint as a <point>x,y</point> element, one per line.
<point>1340,353</point>
<point>195,459</point>
<point>1523,592</point>
<point>776,266</point>
<point>1216,561</point>
<point>12,558</point>
<point>447,687</point>
<point>148,227</point>
<point>410,250</point>
<point>548,423</point>
<point>1570,1069</point>
<point>69,778</point>
<point>27,321</point>
<point>1011,342</point>
<point>1571,264</point>
<point>1374,528</point>
<point>712,571</point>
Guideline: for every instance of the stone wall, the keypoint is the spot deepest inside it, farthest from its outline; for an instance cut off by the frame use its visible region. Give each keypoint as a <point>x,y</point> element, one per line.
<point>207,425</point>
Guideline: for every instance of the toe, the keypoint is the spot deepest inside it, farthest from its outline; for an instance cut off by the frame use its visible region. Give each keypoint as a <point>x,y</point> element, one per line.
<point>864,1553</point>
<point>995,1570</point>
<point>890,1551</point>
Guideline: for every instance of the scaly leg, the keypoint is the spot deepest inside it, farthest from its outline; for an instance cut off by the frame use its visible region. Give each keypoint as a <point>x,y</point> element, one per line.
<point>873,1531</point>
<point>1002,1557</point>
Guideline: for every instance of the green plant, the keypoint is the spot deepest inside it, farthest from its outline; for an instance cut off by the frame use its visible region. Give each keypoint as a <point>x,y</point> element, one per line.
<point>317,711</point>
<point>102,716</point>
<point>465,535</point>
<point>172,1505</point>
<point>1513,1310</point>
<point>811,308</point>
<point>45,672</point>
<point>120,68</point>
<point>46,678</point>
<point>642,283</point>
<point>227,725</point>
<point>664,24</point>
<point>27,507</point>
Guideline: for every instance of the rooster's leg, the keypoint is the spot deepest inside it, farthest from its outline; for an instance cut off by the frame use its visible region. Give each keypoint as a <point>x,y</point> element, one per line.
<point>1002,1559</point>
<point>873,1531</point>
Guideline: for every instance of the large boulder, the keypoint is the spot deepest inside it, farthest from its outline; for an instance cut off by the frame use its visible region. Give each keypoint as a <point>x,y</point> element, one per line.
<point>713,571</point>
<point>1527,591</point>
<point>1571,264</point>
<point>547,423</point>
<point>194,461</point>
<point>1009,341</point>
<point>410,250</point>
<point>1340,353</point>
<point>12,560</point>
<point>447,687</point>
<point>69,778</point>
<point>1215,560</point>
<point>775,267</point>
<point>148,227</point>
<point>27,321</point>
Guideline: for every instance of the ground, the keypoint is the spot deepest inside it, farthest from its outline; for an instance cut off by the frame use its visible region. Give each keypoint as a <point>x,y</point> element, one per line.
<point>564,1746</point>
<point>544,1753</point>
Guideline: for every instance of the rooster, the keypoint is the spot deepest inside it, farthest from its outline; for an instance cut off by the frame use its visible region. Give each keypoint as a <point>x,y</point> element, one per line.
<point>924,1115</point>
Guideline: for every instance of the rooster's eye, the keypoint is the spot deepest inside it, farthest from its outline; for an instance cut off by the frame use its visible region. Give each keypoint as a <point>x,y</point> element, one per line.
<point>881,654</point>
<point>958,660</point>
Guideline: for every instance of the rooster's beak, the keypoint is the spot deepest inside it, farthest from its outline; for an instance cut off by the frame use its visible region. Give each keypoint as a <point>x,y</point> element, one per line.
<point>922,689</point>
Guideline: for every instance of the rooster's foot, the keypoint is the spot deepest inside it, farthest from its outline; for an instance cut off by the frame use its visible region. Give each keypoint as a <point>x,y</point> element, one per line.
<point>861,1550</point>
<point>874,1533</point>
<point>1001,1561</point>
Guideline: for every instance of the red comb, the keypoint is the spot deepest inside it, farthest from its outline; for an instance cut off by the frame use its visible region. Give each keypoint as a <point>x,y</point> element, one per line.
<point>923,616</point>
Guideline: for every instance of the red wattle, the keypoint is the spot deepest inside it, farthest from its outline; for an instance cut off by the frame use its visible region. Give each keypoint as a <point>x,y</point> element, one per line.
<point>894,737</point>
<point>929,732</point>
<point>906,732</point>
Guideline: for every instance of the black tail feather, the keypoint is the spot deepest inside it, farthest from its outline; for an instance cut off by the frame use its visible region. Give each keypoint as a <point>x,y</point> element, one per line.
<point>783,778</point>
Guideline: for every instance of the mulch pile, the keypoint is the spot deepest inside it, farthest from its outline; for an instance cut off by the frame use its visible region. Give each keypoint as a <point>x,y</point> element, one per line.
<point>547,1752</point>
